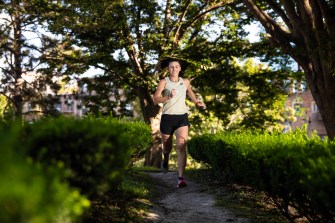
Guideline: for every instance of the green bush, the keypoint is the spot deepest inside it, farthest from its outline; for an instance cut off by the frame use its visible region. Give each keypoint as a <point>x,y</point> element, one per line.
<point>138,136</point>
<point>92,153</point>
<point>293,169</point>
<point>210,149</point>
<point>30,192</point>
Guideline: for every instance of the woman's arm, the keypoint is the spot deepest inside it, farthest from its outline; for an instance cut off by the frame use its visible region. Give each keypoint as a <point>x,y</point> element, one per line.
<point>189,91</point>
<point>192,96</point>
<point>158,98</point>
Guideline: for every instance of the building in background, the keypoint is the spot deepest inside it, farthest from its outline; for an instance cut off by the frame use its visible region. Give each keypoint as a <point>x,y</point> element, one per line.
<point>66,101</point>
<point>69,100</point>
<point>305,111</point>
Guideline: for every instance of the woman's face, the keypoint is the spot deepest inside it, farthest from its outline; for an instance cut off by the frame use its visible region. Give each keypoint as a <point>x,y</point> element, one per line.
<point>174,68</point>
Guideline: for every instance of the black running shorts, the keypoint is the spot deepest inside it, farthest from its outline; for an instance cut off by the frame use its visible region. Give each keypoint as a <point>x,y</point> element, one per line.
<point>169,123</point>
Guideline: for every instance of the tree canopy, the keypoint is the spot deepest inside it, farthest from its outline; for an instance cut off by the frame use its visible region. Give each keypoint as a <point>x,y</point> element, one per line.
<point>31,55</point>
<point>127,39</point>
<point>305,30</point>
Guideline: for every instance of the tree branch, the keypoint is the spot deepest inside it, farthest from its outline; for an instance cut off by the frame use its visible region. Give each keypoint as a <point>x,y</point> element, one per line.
<point>327,13</point>
<point>290,7</point>
<point>179,22</point>
<point>276,7</point>
<point>131,51</point>
<point>306,14</point>
<point>167,19</point>
<point>200,14</point>
<point>279,34</point>
<point>272,27</point>
<point>126,81</point>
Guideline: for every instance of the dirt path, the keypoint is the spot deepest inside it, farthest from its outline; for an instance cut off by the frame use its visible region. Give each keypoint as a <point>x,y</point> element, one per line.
<point>182,205</point>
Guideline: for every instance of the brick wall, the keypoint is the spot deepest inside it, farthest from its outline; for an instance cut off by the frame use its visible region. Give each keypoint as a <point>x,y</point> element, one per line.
<point>306,112</point>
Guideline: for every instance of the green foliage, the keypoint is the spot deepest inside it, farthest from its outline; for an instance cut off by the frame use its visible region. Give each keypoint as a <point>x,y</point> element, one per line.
<point>138,136</point>
<point>108,98</point>
<point>3,104</point>
<point>28,48</point>
<point>207,34</point>
<point>6,110</point>
<point>87,154</point>
<point>248,96</point>
<point>292,168</point>
<point>131,204</point>
<point>92,151</point>
<point>30,192</point>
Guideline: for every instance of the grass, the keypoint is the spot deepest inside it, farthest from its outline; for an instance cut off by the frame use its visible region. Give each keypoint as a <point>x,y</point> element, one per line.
<point>244,201</point>
<point>129,204</point>
<point>138,196</point>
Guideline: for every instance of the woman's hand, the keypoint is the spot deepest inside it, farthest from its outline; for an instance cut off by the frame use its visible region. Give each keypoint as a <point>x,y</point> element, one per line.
<point>173,93</point>
<point>200,105</point>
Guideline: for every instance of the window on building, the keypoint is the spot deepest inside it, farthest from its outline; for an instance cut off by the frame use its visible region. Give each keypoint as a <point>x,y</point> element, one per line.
<point>69,107</point>
<point>58,107</point>
<point>297,104</point>
<point>298,107</point>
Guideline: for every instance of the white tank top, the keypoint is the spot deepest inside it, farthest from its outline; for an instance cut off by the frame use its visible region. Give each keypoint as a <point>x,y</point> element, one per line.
<point>177,104</point>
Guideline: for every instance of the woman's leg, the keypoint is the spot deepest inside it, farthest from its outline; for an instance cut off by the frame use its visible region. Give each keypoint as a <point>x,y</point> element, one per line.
<point>167,147</point>
<point>181,140</point>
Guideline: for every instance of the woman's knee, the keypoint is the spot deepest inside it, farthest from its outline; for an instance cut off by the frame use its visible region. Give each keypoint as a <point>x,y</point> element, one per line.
<point>181,145</point>
<point>167,144</point>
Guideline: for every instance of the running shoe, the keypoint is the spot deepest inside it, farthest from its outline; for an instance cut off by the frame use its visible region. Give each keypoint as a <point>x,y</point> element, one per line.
<point>181,183</point>
<point>164,167</point>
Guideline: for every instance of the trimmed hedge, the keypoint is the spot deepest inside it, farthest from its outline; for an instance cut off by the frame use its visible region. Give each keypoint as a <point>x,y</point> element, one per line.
<point>138,135</point>
<point>47,165</point>
<point>30,192</point>
<point>92,151</point>
<point>293,169</point>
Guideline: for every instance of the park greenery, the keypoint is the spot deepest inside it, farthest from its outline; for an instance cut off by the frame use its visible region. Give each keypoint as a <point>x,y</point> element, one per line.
<point>305,31</point>
<point>294,170</point>
<point>125,40</point>
<point>70,166</point>
<point>62,169</point>
<point>82,167</point>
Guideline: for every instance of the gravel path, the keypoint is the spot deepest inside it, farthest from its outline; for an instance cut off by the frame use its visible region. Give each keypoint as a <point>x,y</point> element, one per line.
<point>190,204</point>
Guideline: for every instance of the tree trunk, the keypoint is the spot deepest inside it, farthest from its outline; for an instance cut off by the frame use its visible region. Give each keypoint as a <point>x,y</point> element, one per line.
<point>152,115</point>
<point>308,38</point>
<point>17,97</point>
<point>323,90</point>
<point>154,156</point>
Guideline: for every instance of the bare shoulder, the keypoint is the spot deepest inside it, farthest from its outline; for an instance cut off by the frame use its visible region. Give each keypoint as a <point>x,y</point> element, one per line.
<point>186,81</point>
<point>162,81</point>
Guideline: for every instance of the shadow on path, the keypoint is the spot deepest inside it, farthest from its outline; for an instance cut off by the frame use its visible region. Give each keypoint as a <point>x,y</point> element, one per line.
<point>190,204</point>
